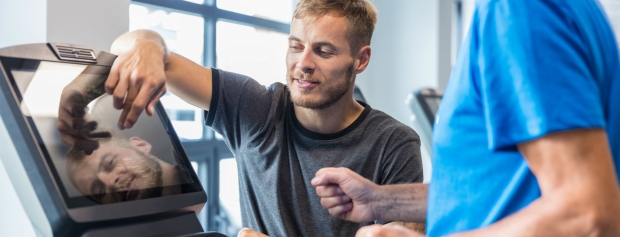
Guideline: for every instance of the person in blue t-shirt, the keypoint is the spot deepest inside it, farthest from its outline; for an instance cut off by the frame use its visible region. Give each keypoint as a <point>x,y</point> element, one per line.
<point>527,138</point>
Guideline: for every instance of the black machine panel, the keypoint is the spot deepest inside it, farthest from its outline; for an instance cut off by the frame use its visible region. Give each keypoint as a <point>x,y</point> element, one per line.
<point>429,101</point>
<point>53,103</point>
<point>116,171</point>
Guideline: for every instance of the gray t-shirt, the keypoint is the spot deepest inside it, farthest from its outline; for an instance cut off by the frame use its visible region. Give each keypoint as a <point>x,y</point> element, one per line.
<point>277,157</point>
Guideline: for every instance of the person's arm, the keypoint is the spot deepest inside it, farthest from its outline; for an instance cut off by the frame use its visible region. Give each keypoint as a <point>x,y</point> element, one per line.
<point>351,197</point>
<point>580,195</point>
<point>247,232</point>
<point>144,69</point>
<point>417,227</point>
<point>402,164</point>
<point>579,187</point>
<point>76,128</point>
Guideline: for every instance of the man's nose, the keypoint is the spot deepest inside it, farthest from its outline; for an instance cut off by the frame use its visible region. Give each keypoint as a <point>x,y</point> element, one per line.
<point>306,62</point>
<point>109,179</point>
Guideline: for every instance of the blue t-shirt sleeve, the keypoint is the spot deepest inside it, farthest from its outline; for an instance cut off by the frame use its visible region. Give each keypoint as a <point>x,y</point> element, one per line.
<point>535,77</point>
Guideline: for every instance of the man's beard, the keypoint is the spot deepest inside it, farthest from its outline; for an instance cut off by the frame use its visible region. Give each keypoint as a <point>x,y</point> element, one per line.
<point>152,172</point>
<point>333,93</point>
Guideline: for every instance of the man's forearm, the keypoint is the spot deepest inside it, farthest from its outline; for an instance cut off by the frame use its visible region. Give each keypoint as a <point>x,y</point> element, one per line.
<point>579,187</point>
<point>547,218</point>
<point>402,202</point>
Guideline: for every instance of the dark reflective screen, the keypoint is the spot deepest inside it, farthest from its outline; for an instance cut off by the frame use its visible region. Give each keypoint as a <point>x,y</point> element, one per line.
<point>92,161</point>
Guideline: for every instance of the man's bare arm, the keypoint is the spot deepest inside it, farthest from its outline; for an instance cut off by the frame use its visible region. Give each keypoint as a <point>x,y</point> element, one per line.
<point>402,202</point>
<point>351,197</point>
<point>580,195</point>
<point>143,71</point>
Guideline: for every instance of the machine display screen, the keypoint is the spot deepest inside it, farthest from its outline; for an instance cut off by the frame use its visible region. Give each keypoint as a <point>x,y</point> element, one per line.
<point>433,104</point>
<point>91,160</point>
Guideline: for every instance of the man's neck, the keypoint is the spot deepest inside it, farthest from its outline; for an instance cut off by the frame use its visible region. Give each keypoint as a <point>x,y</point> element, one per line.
<point>332,119</point>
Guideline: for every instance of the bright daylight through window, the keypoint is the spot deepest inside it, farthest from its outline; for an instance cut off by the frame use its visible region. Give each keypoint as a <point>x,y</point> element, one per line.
<point>219,34</point>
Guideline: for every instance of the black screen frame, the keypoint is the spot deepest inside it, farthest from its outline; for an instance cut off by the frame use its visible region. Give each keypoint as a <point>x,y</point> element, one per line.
<point>85,201</point>
<point>426,95</point>
<point>36,159</point>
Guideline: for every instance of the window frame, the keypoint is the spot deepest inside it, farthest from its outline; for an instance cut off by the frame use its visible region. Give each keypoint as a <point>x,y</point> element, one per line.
<point>209,150</point>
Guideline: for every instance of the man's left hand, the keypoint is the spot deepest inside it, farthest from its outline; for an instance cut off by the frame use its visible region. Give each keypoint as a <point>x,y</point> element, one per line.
<point>386,231</point>
<point>247,232</point>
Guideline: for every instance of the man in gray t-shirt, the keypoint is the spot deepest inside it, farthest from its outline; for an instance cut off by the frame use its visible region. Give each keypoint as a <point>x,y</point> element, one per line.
<point>277,157</point>
<point>281,135</point>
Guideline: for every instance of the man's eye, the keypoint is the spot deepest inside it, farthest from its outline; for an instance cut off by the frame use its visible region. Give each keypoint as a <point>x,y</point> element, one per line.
<point>324,53</point>
<point>109,166</point>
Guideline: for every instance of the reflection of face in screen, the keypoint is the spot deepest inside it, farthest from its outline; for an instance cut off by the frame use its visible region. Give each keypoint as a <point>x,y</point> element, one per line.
<point>121,170</point>
<point>133,164</point>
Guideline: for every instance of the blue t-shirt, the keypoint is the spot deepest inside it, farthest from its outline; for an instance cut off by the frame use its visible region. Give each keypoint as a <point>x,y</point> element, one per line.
<point>528,68</point>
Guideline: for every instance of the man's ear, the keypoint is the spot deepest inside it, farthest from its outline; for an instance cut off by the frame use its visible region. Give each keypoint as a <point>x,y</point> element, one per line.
<point>362,59</point>
<point>140,144</point>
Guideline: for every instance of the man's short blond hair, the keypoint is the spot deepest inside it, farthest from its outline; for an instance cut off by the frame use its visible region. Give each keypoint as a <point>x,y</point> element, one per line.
<point>361,17</point>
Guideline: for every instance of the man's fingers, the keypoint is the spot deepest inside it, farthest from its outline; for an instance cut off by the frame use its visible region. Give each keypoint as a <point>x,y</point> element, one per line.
<point>110,83</point>
<point>77,125</point>
<point>324,170</point>
<point>100,135</point>
<point>120,91</point>
<point>86,145</point>
<point>386,231</point>
<point>330,202</point>
<point>331,175</point>
<point>150,108</point>
<point>329,190</point>
<point>131,94</point>
<point>121,119</point>
<point>370,231</point>
<point>67,139</point>
<point>78,110</point>
<point>134,102</point>
<point>79,143</point>
<point>146,92</point>
<point>247,232</point>
<point>340,210</point>
<point>88,127</point>
<point>64,126</point>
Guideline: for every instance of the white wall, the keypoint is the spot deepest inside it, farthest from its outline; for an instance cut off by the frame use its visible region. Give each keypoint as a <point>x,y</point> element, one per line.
<point>402,54</point>
<point>411,49</point>
<point>91,23</point>
<point>405,54</point>
<point>22,22</point>
<point>13,218</point>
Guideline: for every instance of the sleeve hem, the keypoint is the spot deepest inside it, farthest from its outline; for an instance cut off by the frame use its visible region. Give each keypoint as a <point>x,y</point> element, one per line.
<point>209,116</point>
<point>511,144</point>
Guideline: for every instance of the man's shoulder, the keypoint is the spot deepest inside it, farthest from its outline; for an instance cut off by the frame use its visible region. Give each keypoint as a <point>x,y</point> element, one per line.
<point>382,124</point>
<point>237,80</point>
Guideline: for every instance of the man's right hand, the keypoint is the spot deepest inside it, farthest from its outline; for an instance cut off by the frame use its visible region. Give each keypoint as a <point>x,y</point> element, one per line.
<point>346,194</point>
<point>137,79</point>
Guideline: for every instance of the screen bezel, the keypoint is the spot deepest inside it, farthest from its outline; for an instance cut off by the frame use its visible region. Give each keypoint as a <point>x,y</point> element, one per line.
<point>429,94</point>
<point>94,211</point>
